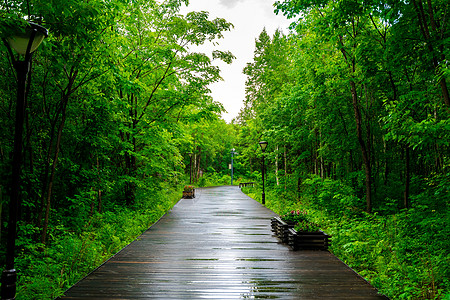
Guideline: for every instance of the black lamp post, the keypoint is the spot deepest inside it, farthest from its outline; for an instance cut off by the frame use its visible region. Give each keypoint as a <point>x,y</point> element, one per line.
<point>263,145</point>
<point>190,167</point>
<point>24,44</point>
<point>232,154</point>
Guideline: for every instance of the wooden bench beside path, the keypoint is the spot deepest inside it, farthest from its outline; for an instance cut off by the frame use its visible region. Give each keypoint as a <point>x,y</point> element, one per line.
<point>219,245</point>
<point>244,184</point>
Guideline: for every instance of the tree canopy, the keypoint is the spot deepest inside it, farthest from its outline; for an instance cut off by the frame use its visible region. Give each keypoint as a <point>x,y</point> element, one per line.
<point>116,99</point>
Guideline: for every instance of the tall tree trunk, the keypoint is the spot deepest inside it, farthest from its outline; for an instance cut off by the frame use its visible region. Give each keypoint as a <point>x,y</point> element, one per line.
<point>358,120</point>
<point>99,189</point>
<point>407,177</point>
<point>365,156</point>
<point>314,154</point>
<point>429,36</point>
<point>285,169</point>
<point>46,172</point>
<point>371,154</point>
<point>129,184</point>
<point>322,163</point>
<point>53,172</point>
<point>198,163</point>
<point>1,212</point>
<point>49,191</point>
<point>386,163</point>
<point>96,188</point>
<point>276,167</point>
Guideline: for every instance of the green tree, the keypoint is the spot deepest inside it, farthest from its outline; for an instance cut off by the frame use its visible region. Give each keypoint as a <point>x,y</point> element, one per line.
<point>385,62</point>
<point>109,86</point>
<point>159,76</point>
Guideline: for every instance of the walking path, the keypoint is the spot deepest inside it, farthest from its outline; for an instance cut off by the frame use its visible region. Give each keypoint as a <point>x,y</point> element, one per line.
<point>219,245</point>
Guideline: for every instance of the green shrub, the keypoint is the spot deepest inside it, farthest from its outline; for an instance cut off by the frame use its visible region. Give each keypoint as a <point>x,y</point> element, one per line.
<point>46,271</point>
<point>405,254</point>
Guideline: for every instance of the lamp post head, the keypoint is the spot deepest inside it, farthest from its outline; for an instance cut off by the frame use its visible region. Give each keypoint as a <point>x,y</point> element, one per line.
<point>34,33</point>
<point>263,145</point>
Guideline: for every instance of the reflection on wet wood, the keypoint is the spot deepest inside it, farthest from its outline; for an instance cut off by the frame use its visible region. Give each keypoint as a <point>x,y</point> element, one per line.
<point>219,245</point>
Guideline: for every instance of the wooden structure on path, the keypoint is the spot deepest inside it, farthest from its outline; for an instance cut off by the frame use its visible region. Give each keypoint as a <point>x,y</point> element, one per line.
<point>219,245</point>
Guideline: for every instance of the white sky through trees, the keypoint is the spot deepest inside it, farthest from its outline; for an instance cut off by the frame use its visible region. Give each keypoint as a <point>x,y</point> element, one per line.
<point>249,17</point>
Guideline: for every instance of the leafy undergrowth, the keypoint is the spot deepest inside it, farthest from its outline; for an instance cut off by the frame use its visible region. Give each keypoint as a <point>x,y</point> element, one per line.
<point>45,272</point>
<point>405,255</point>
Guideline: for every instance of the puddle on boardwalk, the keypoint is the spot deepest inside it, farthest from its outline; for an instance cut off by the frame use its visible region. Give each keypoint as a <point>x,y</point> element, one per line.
<point>203,259</point>
<point>253,268</point>
<point>250,248</point>
<point>256,259</point>
<point>245,289</point>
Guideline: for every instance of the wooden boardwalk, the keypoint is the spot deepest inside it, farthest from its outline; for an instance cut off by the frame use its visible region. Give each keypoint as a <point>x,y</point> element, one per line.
<point>219,245</point>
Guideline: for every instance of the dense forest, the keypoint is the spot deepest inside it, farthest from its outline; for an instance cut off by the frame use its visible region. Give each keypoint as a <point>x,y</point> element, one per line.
<point>353,103</point>
<point>116,101</point>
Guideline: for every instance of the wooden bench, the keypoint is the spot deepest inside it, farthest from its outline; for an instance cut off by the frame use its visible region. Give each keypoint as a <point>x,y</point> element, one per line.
<point>244,184</point>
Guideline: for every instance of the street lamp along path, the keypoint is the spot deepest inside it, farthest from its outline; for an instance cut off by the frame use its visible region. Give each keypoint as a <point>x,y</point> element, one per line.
<point>263,145</point>
<point>233,152</point>
<point>25,44</point>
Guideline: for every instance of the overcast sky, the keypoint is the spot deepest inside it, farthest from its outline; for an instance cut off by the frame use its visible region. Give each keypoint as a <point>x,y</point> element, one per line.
<point>249,17</point>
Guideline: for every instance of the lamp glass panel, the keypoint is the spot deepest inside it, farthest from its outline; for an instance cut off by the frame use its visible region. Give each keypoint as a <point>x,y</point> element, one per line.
<point>20,42</point>
<point>263,146</point>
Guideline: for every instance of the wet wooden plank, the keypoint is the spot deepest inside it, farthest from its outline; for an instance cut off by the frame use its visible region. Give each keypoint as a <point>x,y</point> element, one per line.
<point>219,245</point>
